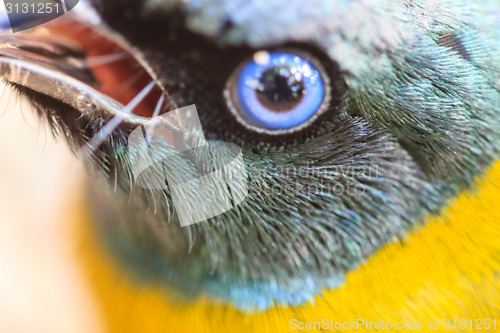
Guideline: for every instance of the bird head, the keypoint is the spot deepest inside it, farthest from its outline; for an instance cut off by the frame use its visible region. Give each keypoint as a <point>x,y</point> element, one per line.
<point>355,120</point>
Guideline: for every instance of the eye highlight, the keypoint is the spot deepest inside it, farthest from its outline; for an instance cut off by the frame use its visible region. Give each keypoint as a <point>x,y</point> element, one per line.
<point>278,92</point>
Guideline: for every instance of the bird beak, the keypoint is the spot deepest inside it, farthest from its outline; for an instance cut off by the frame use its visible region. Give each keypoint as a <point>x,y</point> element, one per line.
<point>78,60</point>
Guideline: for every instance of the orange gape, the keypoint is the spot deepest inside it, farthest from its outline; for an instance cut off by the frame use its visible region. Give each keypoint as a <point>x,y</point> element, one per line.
<point>447,269</point>
<point>113,77</point>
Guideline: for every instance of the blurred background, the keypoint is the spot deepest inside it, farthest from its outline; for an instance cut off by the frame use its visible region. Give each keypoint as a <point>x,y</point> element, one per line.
<point>41,183</point>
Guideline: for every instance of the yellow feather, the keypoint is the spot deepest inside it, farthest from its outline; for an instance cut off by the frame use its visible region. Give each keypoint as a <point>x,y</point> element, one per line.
<point>447,269</point>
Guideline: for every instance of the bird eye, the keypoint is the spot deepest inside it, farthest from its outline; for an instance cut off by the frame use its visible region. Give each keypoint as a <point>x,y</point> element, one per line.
<point>278,92</point>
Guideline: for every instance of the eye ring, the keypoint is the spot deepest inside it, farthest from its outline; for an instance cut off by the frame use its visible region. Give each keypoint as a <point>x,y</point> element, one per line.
<point>306,97</point>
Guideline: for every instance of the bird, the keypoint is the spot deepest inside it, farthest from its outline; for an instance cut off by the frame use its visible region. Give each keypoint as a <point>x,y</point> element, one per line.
<point>369,133</point>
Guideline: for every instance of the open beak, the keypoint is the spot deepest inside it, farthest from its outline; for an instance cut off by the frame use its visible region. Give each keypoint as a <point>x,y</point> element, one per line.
<point>84,64</point>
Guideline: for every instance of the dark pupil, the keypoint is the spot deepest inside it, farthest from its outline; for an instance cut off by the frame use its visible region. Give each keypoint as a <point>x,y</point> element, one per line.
<point>280,88</point>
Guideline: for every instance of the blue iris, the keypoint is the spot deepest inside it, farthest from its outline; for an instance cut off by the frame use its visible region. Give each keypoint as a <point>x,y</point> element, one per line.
<point>279,90</point>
